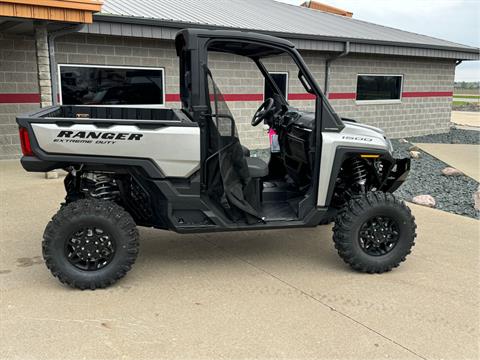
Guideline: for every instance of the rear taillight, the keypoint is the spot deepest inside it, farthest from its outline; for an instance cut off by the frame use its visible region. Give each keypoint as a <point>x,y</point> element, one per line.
<point>25,142</point>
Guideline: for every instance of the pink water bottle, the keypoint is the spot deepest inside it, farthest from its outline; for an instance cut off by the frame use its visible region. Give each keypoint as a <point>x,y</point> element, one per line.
<point>274,144</point>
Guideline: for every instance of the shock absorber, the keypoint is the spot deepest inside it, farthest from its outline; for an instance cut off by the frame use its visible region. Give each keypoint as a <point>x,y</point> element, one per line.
<point>105,188</point>
<point>100,186</point>
<point>359,172</point>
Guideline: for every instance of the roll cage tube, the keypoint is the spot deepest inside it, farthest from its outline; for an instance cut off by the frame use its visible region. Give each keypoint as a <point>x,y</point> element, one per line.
<point>273,85</point>
<point>268,78</point>
<point>327,118</point>
<point>330,121</point>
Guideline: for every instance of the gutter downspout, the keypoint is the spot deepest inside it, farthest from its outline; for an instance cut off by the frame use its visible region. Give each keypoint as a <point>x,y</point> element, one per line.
<point>51,54</point>
<point>328,62</point>
<point>457,62</point>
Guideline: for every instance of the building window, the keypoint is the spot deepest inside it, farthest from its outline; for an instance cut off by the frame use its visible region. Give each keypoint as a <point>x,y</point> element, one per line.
<point>111,86</point>
<point>379,87</point>
<point>281,80</point>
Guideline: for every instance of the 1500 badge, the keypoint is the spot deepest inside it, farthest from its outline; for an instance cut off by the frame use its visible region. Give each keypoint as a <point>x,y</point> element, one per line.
<point>357,138</point>
<point>94,137</point>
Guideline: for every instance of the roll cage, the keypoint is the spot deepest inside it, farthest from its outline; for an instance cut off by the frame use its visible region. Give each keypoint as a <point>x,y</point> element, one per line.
<point>193,45</point>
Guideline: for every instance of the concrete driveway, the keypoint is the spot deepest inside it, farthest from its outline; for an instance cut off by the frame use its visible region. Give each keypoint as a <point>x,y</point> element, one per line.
<point>275,294</point>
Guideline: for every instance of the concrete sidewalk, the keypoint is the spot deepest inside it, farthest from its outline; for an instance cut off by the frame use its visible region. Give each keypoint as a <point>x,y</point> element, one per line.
<point>275,294</point>
<point>464,157</point>
<point>466,118</point>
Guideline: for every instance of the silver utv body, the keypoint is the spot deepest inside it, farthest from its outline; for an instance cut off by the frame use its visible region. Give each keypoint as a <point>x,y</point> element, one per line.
<point>176,150</point>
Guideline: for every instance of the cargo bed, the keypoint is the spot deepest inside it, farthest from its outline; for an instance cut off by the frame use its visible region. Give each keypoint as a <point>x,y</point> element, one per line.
<point>63,136</point>
<point>106,113</point>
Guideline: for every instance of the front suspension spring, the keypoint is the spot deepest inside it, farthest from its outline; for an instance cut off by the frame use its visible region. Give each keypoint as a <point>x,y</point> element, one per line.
<point>359,171</point>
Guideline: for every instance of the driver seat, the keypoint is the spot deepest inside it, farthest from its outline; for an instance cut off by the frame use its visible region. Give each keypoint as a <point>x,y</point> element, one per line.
<point>257,167</point>
<point>245,150</point>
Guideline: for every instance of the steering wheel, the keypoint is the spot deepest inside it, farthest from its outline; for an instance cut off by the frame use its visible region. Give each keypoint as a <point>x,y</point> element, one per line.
<point>262,111</point>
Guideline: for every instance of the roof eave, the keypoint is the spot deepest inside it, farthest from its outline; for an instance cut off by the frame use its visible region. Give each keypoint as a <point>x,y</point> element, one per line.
<point>183,25</point>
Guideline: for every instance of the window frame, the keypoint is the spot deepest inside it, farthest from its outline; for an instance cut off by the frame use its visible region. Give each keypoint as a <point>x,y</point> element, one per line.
<point>287,82</point>
<point>144,106</point>
<point>379,101</point>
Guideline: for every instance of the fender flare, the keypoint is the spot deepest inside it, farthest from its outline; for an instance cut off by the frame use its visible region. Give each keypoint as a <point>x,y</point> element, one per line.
<point>343,153</point>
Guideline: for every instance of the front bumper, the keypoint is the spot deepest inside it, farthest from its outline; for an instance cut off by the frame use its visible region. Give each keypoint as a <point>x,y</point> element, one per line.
<point>398,174</point>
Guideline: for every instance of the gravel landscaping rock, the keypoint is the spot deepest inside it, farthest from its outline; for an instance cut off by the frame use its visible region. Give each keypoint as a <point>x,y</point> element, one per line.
<point>450,171</point>
<point>451,193</point>
<point>465,107</point>
<point>476,199</point>
<point>455,136</point>
<point>425,200</point>
<point>414,154</point>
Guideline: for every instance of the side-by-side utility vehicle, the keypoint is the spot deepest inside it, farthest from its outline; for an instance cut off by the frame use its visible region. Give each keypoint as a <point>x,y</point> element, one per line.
<point>185,169</point>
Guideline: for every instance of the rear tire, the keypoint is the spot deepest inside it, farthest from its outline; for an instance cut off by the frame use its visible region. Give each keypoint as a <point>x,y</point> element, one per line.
<point>90,244</point>
<point>374,232</point>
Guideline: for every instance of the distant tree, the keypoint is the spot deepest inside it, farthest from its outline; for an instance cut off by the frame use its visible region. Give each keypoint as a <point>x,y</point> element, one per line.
<point>467,84</point>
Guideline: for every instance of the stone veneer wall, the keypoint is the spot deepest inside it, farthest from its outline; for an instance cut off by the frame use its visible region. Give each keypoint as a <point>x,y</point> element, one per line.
<point>43,63</point>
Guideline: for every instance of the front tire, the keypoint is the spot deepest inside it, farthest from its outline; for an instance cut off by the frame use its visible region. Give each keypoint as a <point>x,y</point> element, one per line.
<point>90,244</point>
<point>374,232</point>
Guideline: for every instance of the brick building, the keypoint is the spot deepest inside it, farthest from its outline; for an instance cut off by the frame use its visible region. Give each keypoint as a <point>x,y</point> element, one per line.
<point>399,81</point>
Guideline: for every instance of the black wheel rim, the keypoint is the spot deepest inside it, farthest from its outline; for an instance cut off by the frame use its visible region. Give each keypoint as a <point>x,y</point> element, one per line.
<point>90,249</point>
<point>379,235</point>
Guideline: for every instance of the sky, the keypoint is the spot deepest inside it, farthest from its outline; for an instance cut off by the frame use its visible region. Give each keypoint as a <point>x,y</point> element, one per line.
<point>454,20</point>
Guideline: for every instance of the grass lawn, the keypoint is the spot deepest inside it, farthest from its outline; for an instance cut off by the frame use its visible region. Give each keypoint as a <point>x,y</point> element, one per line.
<point>467,96</point>
<point>460,103</point>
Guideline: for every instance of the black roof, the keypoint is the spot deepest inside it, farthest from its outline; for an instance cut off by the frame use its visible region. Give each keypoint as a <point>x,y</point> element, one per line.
<point>189,34</point>
<point>243,43</point>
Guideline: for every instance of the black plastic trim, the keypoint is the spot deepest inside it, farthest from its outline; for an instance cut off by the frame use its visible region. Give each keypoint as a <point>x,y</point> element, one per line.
<point>42,117</point>
<point>397,176</point>
<point>344,152</point>
<point>34,164</point>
